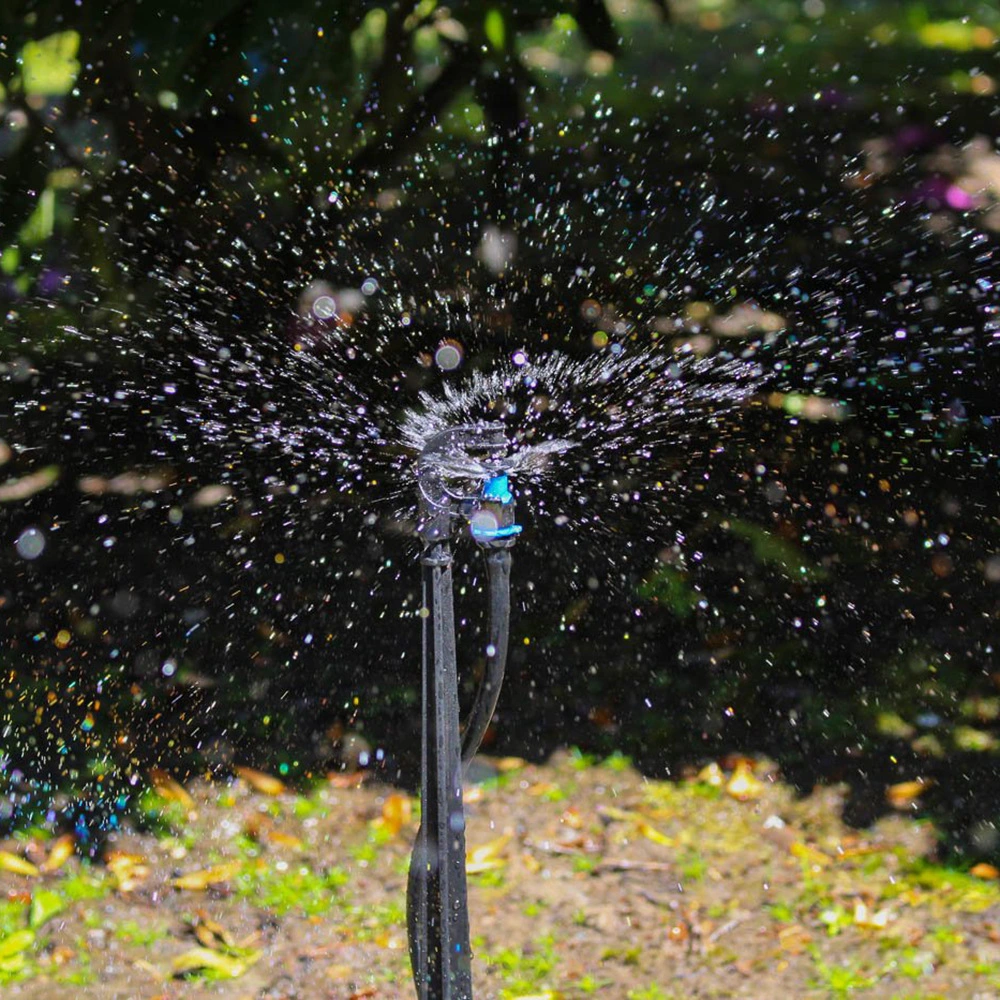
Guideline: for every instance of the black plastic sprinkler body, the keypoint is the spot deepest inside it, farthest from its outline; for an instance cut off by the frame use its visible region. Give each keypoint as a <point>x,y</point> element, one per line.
<point>437,912</point>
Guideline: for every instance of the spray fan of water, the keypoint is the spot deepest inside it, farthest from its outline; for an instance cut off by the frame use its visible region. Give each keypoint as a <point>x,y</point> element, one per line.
<point>224,460</point>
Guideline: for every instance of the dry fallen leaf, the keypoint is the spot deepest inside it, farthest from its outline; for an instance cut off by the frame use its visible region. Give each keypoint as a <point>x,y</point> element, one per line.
<point>266,784</point>
<point>60,852</point>
<point>16,864</point>
<point>743,785</point>
<point>396,813</point>
<point>61,954</point>
<point>811,855</point>
<point>505,764</point>
<point>608,813</point>
<point>531,862</point>
<point>543,788</point>
<point>283,839</point>
<point>794,939</point>
<point>210,932</point>
<point>199,959</point>
<point>340,971</point>
<point>152,971</point>
<point>169,788</point>
<point>202,879</point>
<point>348,779</point>
<point>711,774</point>
<point>984,870</point>
<point>213,935</point>
<point>904,794</point>
<point>487,857</point>
<point>651,833</point>
<point>865,916</point>
<point>571,817</point>
<point>129,870</point>
<point>257,826</point>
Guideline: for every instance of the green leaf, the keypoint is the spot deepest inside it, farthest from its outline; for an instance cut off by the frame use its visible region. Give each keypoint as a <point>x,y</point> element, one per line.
<point>45,904</point>
<point>49,66</point>
<point>496,29</point>
<point>14,944</point>
<point>39,225</point>
<point>669,586</point>
<point>773,550</point>
<point>9,260</point>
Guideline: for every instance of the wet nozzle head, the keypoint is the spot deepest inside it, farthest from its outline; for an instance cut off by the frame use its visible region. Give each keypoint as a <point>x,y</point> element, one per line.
<point>462,473</point>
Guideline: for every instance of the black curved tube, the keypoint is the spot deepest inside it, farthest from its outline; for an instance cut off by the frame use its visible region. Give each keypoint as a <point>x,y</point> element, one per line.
<point>498,637</point>
<point>437,912</point>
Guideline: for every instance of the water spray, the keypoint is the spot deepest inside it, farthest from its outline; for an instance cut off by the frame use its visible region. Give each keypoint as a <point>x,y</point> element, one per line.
<point>462,481</point>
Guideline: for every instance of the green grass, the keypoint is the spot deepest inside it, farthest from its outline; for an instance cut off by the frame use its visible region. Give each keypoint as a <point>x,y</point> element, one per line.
<point>588,985</point>
<point>372,921</point>
<point>839,981</point>
<point>782,912</point>
<point>652,992</point>
<point>297,889</point>
<point>524,971</point>
<point>959,889</point>
<point>693,866</point>
<point>13,916</point>
<point>133,932</point>
<point>86,883</point>
<point>158,815</point>
<point>617,762</point>
<point>581,761</point>
<point>493,879</point>
<point>627,956</point>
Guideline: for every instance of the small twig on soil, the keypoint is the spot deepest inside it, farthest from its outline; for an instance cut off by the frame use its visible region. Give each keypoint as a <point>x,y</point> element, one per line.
<point>664,901</point>
<point>625,865</point>
<point>619,865</point>
<point>547,848</point>
<point>728,926</point>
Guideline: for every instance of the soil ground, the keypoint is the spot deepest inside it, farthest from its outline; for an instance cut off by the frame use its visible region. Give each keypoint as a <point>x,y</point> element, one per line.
<point>586,879</point>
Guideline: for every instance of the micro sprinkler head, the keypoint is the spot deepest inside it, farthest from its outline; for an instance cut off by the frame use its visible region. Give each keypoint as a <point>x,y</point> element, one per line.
<point>462,475</point>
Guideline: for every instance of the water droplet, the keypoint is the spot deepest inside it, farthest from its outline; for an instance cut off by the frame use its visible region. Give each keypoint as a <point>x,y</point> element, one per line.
<point>30,543</point>
<point>449,355</point>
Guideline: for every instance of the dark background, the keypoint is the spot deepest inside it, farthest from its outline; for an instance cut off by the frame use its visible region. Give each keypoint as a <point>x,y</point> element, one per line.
<point>217,470</point>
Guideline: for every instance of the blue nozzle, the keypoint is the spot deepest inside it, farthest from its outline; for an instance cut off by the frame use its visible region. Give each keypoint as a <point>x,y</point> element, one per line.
<point>486,534</point>
<point>497,489</point>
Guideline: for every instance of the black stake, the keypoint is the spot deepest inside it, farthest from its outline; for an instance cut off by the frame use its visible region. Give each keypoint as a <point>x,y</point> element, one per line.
<point>437,903</point>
